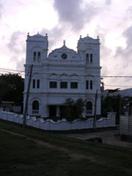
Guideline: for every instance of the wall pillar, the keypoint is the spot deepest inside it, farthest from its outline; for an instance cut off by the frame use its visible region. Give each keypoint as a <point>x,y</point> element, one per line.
<point>57,111</point>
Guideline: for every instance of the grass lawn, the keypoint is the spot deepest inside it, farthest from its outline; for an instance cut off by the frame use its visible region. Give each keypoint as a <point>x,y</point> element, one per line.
<point>20,156</point>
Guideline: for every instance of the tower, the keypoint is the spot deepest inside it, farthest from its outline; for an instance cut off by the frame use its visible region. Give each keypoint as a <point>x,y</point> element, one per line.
<point>36,49</point>
<point>89,52</point>
<point>36,53</point>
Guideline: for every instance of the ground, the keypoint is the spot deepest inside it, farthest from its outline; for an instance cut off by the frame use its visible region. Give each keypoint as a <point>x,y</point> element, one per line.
<point>31,152</point>
<point>109,136</point>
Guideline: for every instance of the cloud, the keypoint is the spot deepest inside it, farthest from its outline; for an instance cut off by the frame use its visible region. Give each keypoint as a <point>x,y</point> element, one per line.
<point>128,35</point>
<point>124,54</point>
<point>1,9</point>
<point>55,35</point>
<point>16,46</point>
<point>108,2</point>
<point>120,63</point>
<point>16,42</point>
<point>74,12</point>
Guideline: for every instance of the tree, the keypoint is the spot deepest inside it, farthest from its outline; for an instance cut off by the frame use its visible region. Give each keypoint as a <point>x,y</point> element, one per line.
<point>73,109</point>
<point>11,88</point>
<point>112,104</point>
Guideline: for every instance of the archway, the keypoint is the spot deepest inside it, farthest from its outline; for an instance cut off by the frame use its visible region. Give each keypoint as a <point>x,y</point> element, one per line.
<point>35,107</point>
<point>89,108</point>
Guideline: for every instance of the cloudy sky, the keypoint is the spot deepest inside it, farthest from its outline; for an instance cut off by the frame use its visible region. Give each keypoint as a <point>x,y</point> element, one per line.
<point>68,19</point>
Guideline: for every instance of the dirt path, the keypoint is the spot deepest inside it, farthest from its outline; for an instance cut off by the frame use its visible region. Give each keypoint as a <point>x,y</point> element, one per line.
<point>109,137</point>
<point>73,155</point>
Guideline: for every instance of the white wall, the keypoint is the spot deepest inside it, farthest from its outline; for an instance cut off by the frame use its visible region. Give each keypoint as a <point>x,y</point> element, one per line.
<point>126,125</point>
<point>59,125</point>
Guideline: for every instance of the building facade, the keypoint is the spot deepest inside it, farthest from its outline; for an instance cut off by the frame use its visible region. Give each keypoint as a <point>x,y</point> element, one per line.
<point>60,75</point>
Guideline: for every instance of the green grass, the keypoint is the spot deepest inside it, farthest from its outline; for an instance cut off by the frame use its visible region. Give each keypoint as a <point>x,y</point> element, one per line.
<point>22,157</point>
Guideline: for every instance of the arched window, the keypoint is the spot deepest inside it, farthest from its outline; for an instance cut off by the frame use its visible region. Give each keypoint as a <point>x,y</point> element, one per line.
<point>87,84</point>
<point>39,56</point>
<point>89,107</point>
<point>91,58</point>
<point>34,56</point>
<point>35,107</point>
<point>91,84</point>
<point>87,58</point>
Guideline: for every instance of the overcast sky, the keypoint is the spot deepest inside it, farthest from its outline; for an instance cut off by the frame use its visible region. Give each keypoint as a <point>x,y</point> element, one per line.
<point>67,20</point>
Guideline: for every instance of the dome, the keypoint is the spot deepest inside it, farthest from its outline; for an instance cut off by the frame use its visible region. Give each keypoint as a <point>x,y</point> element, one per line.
<point>63,53</point>
<point>37,36</point>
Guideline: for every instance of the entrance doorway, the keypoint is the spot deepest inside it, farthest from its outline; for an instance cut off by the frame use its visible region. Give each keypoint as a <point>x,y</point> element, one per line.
<point>52,111</point>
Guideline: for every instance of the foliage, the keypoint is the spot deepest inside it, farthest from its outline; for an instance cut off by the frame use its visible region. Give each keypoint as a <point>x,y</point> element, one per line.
<point>126,103</point>
<point>73,109</point>
<point>112,104</point>
<point>11,88</point>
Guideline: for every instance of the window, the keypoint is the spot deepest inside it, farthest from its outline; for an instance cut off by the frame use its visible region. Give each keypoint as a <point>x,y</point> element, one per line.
<point>91,58</point>
<point>87,58</point>
<point>34,56</point>
<point>63,85</point>
<point>33,83</point>
<point>38,83</point>
<point>64,56</point>
<point>87,84</point>
<point>91,84</point>
<point>35,107</point>
<point>74,85</point>
<point>39,56</point>
<point>53,84</point>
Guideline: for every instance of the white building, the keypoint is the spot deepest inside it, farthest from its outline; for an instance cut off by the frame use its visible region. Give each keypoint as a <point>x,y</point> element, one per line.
<point>62,74</point>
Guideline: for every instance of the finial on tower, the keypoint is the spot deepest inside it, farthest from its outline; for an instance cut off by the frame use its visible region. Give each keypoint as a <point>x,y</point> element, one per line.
<point>28,35</point>
<point>64,43</point>
<point>80,36</point>
<point>46,35</point>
